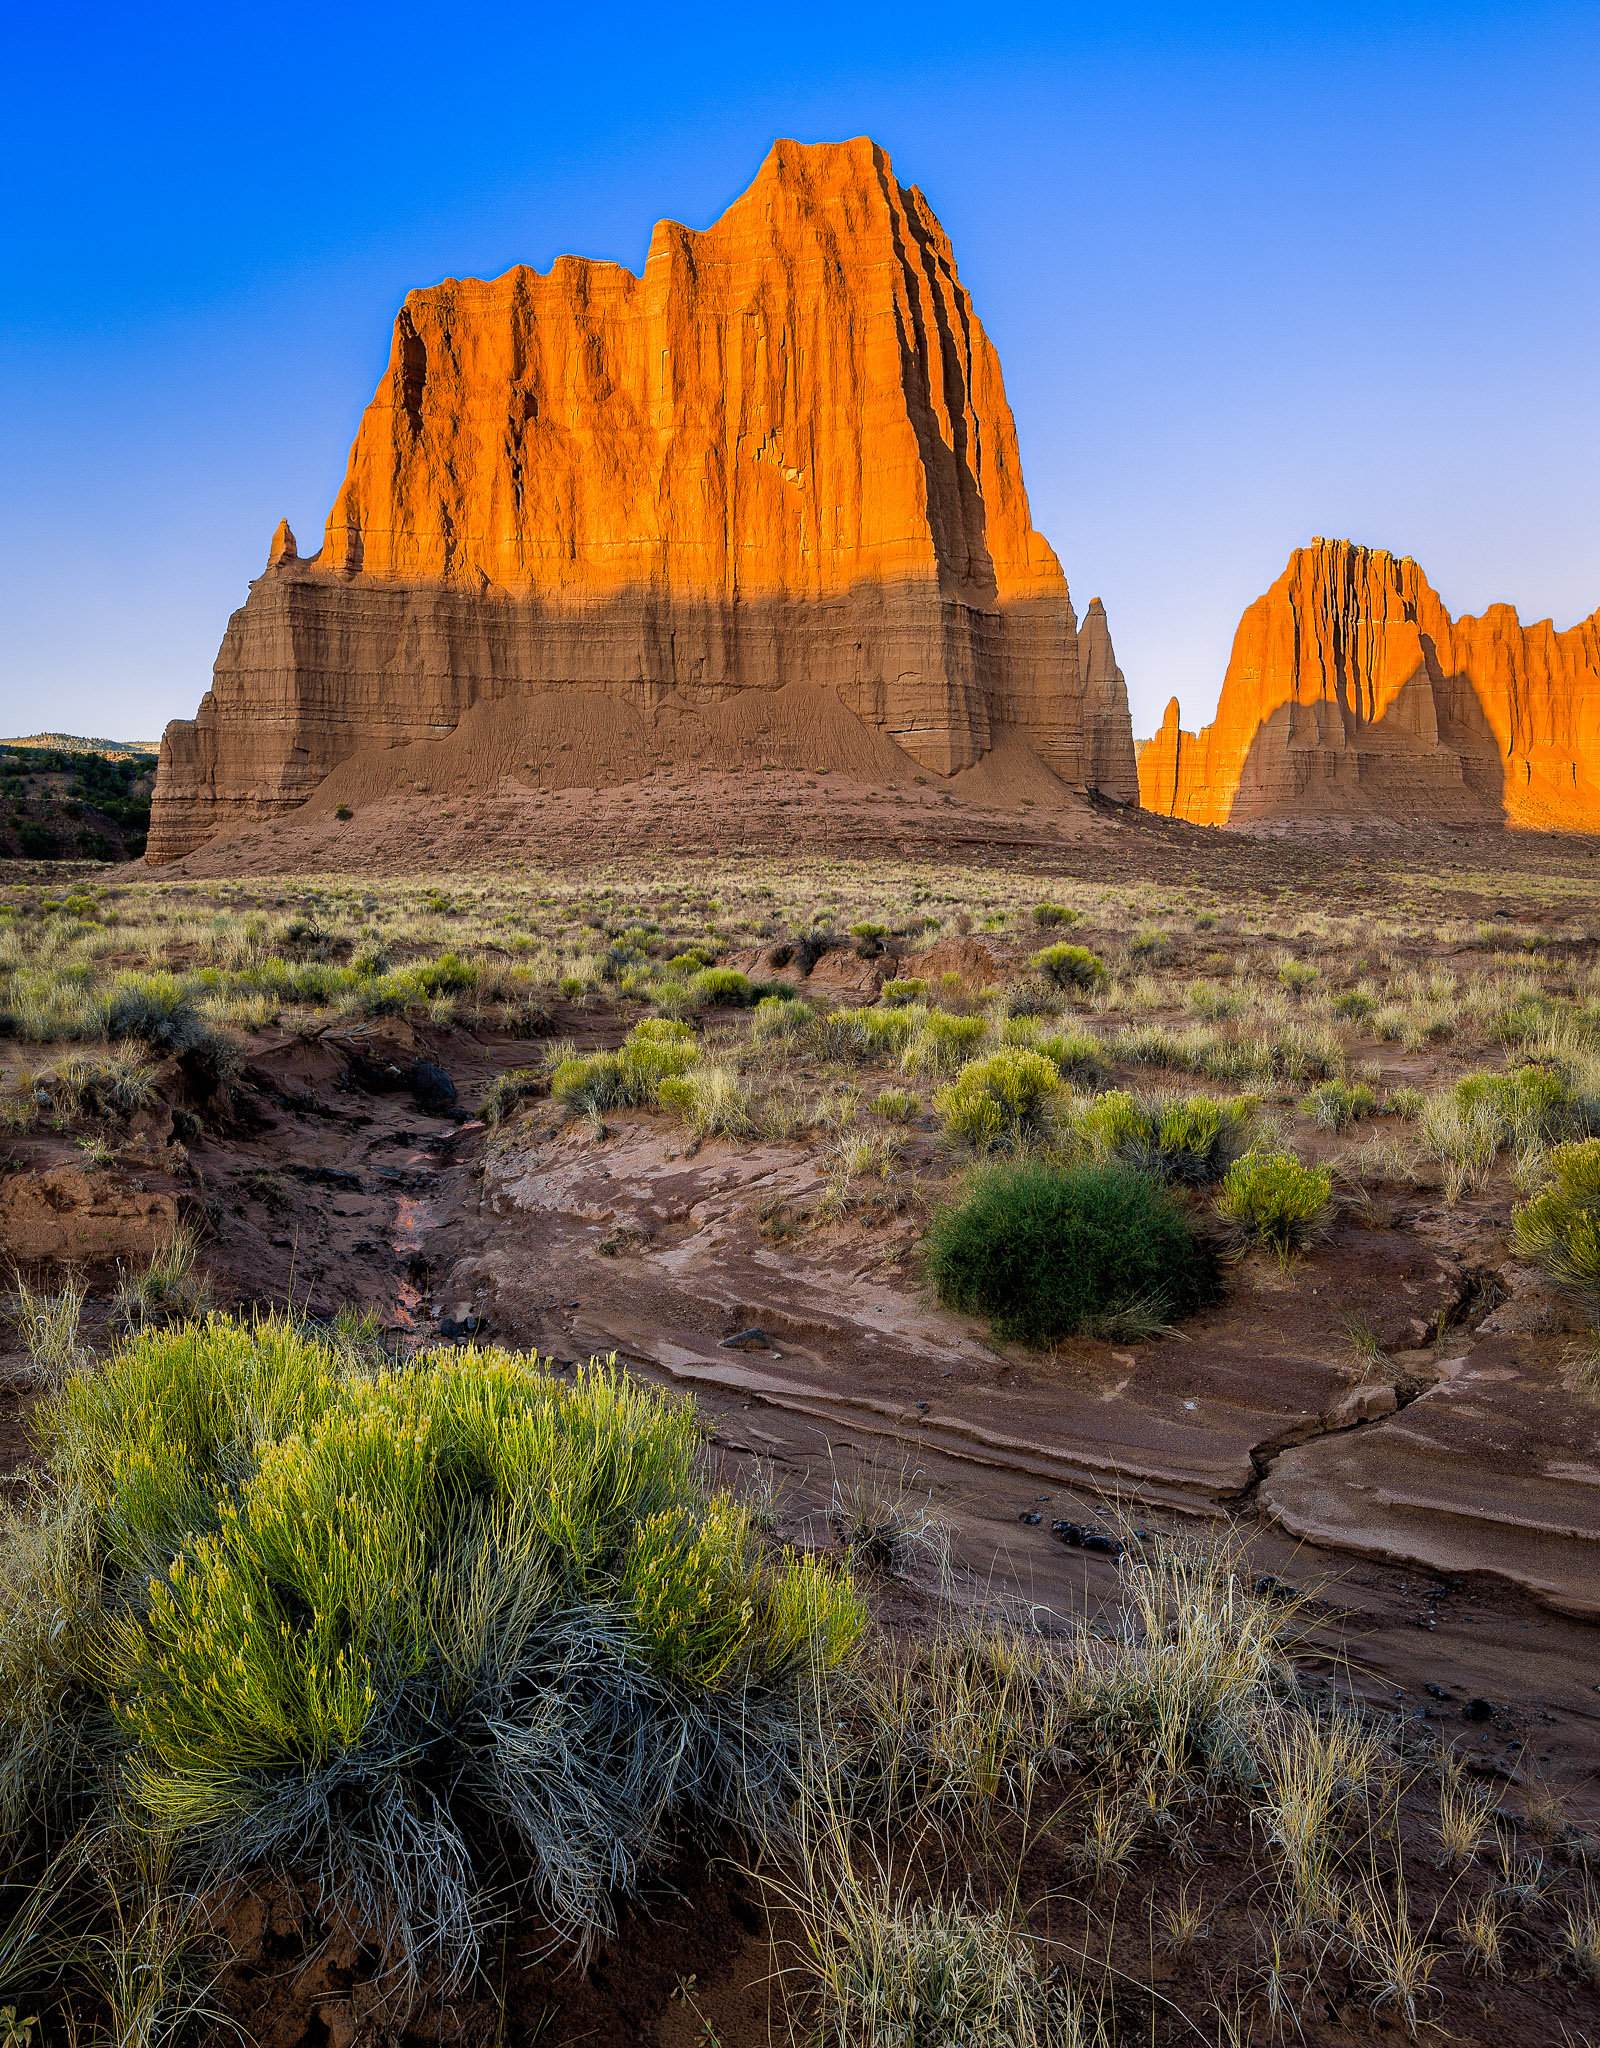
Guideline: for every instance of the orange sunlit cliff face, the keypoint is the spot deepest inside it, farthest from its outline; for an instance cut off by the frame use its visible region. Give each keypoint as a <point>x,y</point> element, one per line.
<point>781,459</point>
<point>1352,693</point>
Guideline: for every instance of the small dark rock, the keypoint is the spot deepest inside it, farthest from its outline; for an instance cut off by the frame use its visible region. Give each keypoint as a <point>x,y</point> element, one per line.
<point>1069,1532</point>
<point>1435,1692</point>
<point>1106,1546</point>
<point>1477,1710</point>
<point>432,1088</point>
<point>326,1177</point>
<point>1031,1517</point>
<point>744,1338</point>
<point>1271,1588</point>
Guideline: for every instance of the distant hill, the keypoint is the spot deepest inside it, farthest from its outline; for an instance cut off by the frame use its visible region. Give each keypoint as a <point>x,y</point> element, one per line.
<point>66,798</point>
<point>74,743</point>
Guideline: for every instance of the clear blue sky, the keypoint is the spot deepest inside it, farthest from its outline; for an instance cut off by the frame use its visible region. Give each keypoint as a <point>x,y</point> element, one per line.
<point>1254,274</point>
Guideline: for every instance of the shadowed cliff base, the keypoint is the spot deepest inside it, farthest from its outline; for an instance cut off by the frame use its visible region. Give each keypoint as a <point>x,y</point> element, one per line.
<point>1353,700</point>
<point>1312,769</point>
<point>326,687</point>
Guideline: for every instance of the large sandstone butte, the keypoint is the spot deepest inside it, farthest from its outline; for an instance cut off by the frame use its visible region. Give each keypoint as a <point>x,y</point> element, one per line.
<point>588,511</point>
<point>1352,694</point>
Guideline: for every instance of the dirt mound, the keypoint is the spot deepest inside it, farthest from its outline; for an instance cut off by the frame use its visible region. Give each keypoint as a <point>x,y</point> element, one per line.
<point>579,739</point>
<point>489,823</point>
<point>71,1216</point>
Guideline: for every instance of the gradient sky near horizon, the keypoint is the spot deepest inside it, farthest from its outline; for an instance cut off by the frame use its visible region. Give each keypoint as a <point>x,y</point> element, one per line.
<point>1254,272</point>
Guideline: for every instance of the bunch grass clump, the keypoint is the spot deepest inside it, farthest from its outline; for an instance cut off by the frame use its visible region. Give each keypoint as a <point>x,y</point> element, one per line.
<point>876,1032</point>
<point>1560,1227</point>
<point>1047,1252</point>
<point>781,1021</point>
<point>888,1970</point>
<point>657,1049</point>
<point>1333,1105</point>
<point>721,987</point>
<point>506,1094</point>
<point>1191,1139</point>
<point>109,1086</point>
<point>713,1099</point>
<point>167,1288</point>
<point>364,1626</point>
<point>942,1042</point>
<point>1078,1056</point>
<point>1466,1126</point>
<point>49,1325</point>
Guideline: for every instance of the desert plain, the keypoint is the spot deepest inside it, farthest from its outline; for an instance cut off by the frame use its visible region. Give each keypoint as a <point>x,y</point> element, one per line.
<point>1397,1423</point>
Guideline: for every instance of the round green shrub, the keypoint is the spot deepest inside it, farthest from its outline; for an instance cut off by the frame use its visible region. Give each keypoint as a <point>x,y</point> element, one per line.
<point>1070,966</point>
<point>1047,1251</point>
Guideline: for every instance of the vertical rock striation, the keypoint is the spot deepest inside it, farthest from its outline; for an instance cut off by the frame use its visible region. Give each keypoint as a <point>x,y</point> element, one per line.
<point>1352,693</point>
<point>781,455</point>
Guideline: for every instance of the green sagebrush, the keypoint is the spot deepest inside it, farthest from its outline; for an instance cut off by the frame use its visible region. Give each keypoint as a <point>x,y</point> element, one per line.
<point>1002,1100</point>
<point>1271,1199</point>
<point>380,1628</point>
<point>1045,1251</point>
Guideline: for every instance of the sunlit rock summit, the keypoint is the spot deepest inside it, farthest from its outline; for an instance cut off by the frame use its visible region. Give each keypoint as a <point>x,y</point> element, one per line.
<point>765,496</point>
<point>1353,695</point>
